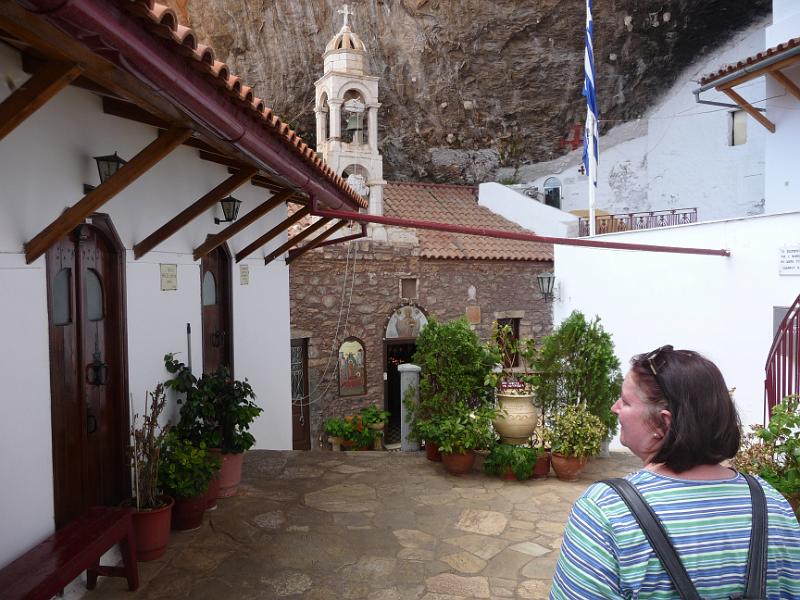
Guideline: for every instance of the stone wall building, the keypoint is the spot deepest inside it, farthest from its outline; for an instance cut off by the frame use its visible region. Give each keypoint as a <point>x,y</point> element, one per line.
<point>366,291</point>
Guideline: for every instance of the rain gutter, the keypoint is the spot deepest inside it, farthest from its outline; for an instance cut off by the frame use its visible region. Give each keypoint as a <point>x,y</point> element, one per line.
<point>510,235</point>
<point>117,37</point>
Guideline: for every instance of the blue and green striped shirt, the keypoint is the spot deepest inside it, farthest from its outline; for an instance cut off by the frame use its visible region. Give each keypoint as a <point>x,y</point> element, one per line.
<point>605,553</point>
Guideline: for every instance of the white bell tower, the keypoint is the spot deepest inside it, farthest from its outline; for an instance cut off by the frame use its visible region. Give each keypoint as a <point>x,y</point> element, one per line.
<point>347,115</point>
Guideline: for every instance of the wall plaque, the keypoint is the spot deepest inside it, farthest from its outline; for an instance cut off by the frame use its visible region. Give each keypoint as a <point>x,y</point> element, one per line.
<point>169,277</point>
<point>474,315</point>
<point>789,262</point>
<point>244,274</point>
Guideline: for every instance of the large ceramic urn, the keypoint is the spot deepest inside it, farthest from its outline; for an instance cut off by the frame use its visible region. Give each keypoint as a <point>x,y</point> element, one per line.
<point>516,418</point>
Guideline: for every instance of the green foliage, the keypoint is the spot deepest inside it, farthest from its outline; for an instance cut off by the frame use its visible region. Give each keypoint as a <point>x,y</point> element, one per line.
<point>577,364</point>
<point>453,379</point>
<point>520,460</point>
<point>463,429</point>
<point>217,409</point>
<point>777,459</point>
<point>351,429</point>
<point>185,469</point>
<point>574,431</point>
<point>503,349</point>
<point>146,452</point>
<point>371,415</point>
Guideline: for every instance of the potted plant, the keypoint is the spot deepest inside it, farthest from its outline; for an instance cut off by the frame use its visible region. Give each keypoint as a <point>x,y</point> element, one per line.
<point>185,471</point>
<point>773,452</point>
<point>460,433</point>
<point>349,432</point>
<point>512,462</point>
<point>577,364</point>
<point>454,367</point>
<point>375,419</point>
<point>217,410</point>
<point>151,521</point>
<point>517,416</point>
<point>337,429</point>
<point>575,435</point>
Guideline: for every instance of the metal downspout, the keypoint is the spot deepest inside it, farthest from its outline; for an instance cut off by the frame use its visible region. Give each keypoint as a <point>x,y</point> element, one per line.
<point>511,235</point>
<point>140,54</point>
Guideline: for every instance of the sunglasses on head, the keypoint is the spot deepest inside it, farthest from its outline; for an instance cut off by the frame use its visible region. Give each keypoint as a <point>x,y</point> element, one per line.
<point>653,356</point>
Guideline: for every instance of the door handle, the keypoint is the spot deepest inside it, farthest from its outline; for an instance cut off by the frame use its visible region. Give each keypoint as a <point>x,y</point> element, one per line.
<point>217,338</point>
<point>91,421</point>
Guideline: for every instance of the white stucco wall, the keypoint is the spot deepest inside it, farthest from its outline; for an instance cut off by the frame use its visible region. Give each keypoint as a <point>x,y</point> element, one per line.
<point>43,165</point>
<point>721,307</point>
<point>527,212</point>
<point>660,161</point>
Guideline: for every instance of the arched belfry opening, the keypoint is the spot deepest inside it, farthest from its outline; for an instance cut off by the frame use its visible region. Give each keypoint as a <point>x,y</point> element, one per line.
<point>347,111</point>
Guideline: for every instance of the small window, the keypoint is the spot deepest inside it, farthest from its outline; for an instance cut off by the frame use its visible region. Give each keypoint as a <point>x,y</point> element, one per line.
<point>513,324</point>
<point>408,288</point>
<point>209,291</point>
<point>62,299</point>
<point>552,192</point>
<point>738,128</point>
<point>94,296</point>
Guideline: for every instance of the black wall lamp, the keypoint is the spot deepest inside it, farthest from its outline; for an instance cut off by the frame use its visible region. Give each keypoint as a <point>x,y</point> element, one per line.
<point>546,282</point>
<point>230,208</point>
<point>106,167</point>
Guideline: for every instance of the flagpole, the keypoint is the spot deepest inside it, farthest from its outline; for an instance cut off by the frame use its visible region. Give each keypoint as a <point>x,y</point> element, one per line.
<point>590,133</point>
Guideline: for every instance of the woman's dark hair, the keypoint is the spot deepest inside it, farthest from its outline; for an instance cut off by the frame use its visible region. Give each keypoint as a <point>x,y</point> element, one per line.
<point>705,426</point>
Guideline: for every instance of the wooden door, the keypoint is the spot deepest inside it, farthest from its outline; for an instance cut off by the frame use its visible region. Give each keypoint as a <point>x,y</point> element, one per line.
<point>301,423</point>
<point>89,402</point>
<point>215,273</point>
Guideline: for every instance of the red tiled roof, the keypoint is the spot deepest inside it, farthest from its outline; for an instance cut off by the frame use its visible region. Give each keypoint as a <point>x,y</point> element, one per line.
<point>163,22</point>
<point>457,205</point>
<point>750,61</point>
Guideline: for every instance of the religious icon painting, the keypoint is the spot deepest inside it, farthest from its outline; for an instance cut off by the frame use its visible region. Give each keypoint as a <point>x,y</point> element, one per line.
<point>352,368</point>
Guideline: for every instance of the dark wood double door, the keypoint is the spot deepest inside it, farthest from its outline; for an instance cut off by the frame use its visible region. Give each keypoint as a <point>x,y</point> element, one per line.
<point>217,317</point>
<point>89,404</point>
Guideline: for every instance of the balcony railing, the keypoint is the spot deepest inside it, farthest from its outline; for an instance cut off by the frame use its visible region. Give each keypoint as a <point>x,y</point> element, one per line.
<point>783,362</point>
<point>638,220</point>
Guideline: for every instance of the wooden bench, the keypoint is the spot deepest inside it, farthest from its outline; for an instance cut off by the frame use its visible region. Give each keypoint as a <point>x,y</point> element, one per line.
<point>47,568</point>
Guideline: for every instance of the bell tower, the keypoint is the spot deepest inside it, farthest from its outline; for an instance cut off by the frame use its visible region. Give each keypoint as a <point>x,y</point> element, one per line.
<point>346,109</point>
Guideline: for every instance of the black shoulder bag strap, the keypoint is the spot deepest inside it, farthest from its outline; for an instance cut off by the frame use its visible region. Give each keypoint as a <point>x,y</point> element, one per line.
<point>755,578</point>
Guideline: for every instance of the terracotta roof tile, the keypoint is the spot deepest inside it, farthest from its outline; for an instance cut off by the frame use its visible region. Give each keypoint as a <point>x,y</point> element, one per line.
<point>750,61</point>
<point>163,22</point>
<point>457,205</point>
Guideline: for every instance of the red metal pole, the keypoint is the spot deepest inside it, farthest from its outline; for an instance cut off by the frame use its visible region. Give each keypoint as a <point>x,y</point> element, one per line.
<point>510,235</point>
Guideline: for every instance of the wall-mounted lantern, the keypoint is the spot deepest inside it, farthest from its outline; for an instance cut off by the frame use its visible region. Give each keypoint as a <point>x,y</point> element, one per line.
<point>106,167</point>
<point>546,282</point>
<point>230,208</point>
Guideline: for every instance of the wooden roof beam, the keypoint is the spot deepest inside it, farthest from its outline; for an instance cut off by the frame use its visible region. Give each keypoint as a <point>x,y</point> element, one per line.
<point>259,211</point>
<point>193,211</point>
<point>313,243</point>
<point>34,93</point>
<point>749,109</point>
<point>296,239</point>
<point>275,231</point>
<point>136,167</point>
<point>787,83</point>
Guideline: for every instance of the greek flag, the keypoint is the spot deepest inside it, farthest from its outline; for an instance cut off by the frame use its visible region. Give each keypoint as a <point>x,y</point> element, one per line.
<point>590,152</point>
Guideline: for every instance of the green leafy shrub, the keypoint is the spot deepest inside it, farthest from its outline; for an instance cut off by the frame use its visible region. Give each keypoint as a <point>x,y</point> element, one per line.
<point>217,410</point>
<point>372,415</point>
<point>351,429</point>
<point>185,470</point>
<point>574,431</point>
<point>520,460</point>
<point>577,364</point>
<point>464,429</point>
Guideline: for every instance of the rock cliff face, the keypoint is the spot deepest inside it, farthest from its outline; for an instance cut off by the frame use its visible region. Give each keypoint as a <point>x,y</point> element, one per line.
<point>468,86</point>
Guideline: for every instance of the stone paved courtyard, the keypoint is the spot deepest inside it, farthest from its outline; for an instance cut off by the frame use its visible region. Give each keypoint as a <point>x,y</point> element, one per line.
<point>369,525</point>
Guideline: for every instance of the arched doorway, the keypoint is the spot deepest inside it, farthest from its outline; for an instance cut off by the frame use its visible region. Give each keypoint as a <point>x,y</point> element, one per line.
<point>217,309</point>
<point>402,329</point>
<point>88,373</point>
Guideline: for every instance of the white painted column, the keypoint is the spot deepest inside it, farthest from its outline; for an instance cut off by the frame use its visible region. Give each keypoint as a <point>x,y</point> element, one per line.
<point>322,125</point>
<point>409,378</point>
<point>335,119</point>
<point>373,126</point>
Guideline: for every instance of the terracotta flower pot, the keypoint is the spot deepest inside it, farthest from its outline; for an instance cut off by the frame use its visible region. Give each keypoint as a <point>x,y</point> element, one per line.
<point>458,463</point>
<point>151,531</point>
<point>187,513</point>
<point>432,451</point>
<point>230,474</point>
<point>508,475</point>
<point>568,468</point>
<point>542,467</point>
<point>213,487</point>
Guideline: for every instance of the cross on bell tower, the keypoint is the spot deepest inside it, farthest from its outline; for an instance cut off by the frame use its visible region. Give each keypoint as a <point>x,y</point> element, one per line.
<point>345,10</point>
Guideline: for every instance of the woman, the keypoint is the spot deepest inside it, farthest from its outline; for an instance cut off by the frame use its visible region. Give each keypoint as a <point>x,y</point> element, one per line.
<point>676,414</point>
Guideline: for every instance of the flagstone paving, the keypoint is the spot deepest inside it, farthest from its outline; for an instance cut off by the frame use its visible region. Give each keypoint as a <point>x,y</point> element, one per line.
<point>371,526</point>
